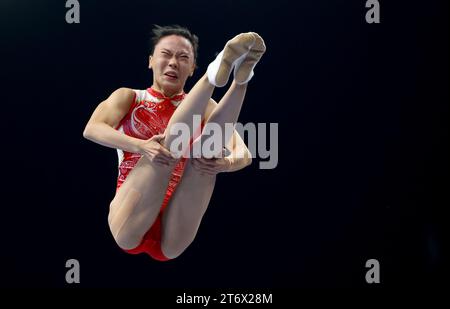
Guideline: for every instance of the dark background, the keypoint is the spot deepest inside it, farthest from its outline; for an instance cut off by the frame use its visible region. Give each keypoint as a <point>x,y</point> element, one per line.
<point>363,144</point>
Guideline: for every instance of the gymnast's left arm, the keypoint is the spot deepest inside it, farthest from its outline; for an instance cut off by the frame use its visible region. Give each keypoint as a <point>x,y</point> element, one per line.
<point>239,156</point>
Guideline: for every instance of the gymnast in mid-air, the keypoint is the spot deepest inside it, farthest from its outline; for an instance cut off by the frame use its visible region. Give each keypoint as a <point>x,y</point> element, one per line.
<point>161,196</point>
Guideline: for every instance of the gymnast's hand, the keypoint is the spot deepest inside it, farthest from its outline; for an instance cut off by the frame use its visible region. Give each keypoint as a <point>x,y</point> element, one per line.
<point>211,166</point>
<point>156,152</point>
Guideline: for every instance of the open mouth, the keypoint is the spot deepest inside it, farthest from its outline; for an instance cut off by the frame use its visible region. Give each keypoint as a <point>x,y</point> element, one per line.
<point>171,75</point>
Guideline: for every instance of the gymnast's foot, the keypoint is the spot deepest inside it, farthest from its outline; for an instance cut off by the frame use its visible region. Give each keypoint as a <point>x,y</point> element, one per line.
<point>244,68</point>
<point>235,51</point>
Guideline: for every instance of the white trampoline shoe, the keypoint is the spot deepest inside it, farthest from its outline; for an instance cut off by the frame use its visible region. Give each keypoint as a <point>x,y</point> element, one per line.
<point>235,52</point>
<point>243,71</point>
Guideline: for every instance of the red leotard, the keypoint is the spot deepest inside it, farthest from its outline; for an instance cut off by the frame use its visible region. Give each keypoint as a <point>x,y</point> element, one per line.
<point>149,115</point>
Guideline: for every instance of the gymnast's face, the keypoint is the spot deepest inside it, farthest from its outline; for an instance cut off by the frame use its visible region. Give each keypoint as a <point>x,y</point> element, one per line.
<point>172,63</point>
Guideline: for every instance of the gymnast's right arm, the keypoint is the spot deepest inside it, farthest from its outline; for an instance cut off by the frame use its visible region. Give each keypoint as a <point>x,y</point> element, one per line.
<point>108,114</point>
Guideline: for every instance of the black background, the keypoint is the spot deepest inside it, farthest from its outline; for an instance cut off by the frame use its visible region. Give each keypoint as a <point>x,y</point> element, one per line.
<point>363,144</point>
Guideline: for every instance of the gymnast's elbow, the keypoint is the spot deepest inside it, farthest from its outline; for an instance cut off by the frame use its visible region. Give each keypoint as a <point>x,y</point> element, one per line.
<point>88,132</point>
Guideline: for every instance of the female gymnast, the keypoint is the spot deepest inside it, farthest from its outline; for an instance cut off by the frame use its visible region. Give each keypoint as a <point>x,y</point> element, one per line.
<point>161,198</point>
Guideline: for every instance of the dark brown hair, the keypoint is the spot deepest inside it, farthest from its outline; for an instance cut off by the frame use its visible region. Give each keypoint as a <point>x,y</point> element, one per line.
<point>162,31</point>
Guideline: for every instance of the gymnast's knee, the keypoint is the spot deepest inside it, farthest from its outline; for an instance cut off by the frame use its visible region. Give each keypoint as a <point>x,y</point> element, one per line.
<point>174,249</point>
<point>125,236</point>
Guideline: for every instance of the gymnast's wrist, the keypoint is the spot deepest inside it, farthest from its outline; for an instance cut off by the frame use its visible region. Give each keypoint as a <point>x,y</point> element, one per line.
<point>137,145</point>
